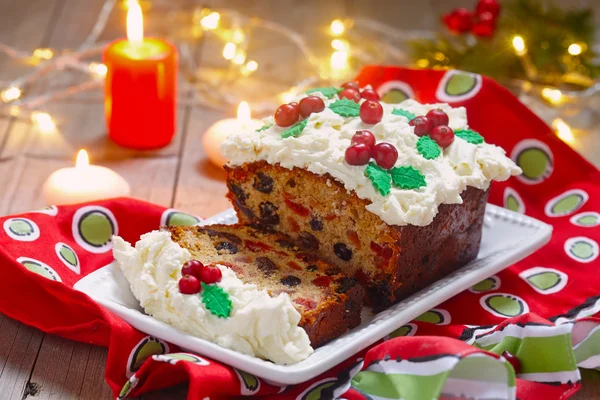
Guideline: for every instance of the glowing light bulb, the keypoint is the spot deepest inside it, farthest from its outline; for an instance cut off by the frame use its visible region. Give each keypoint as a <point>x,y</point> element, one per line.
<point>238,36</point>
<point>82,160</point>
<point>422,63</point>
<point>288,95</point>
<point>98,69</point>
<point>519,45</point>
<point>239,58</point>
<point>135,23</point>
<point>10,94</point>
<point>337,27</point>
<point>563,131</point>
<point>43,54</point>
<point>229,51</point>
<point>211,21</point>
<point>339,60</point>
<point>553,96</point>
<point>252,66</point>
<point>43,121</point>
<point>340,44</point>
<point>575,49</point>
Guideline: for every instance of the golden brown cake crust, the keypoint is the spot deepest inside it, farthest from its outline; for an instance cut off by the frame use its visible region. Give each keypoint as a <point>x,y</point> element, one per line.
<point>319,214</point>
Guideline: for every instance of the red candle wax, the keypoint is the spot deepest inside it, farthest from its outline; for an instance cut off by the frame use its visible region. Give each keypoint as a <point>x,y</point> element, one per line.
<point>140,92</point>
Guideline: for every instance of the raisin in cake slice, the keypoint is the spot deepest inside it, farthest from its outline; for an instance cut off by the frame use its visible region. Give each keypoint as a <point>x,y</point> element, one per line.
<point>329,302</point>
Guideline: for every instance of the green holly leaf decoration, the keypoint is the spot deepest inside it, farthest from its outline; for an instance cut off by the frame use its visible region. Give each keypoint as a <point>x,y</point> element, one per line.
<point>379,178</point>
<point>428,148</point>
<point>345,108</point>
<point>469,135</point>
<point>407,178</point>
<point>294,130</point>
<point>264,127</point>
<point>403,113</point>
<point>328,92</point>
<point>216,300</point>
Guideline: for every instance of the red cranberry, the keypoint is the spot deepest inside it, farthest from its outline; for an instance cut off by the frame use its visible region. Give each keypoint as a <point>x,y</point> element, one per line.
<point>443,135</point>
<point>287,115</point>
<point>364,137</point>
<point>369,94</point>
<point>437,117</point>
<point>385,155</point>
<point>189,284</point>
<point>211,274</point>
<point>371,112</point>
<point>192,267</point>
<point>459,20</point>
<point>513,360</point>
<point>311,104</point>
<point>358,154</point>
<point>490,6</point>
<point>350,85</point>
<point>350,94</point>
<point>422,124</point>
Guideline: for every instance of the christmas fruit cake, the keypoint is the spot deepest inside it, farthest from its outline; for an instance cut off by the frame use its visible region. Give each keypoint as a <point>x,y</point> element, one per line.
<point>392,194</point>
<point>242,288</point>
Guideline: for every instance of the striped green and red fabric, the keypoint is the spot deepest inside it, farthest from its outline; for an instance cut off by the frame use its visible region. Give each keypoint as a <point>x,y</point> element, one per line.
<point>542,310</point>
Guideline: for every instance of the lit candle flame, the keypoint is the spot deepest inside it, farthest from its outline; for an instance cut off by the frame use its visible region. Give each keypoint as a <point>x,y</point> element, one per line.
<point>82,159</point>
<point>243,112</point>
<point>135,23</point>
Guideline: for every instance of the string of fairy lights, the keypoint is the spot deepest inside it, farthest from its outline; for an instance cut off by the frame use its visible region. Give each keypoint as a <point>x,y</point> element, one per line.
<point>348,50</point>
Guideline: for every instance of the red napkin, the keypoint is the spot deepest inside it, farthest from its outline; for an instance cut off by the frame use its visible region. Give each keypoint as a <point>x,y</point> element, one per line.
<point>539,309</point>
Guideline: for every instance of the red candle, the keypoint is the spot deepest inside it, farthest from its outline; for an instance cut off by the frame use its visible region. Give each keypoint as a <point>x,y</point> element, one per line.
<point>141,87</point>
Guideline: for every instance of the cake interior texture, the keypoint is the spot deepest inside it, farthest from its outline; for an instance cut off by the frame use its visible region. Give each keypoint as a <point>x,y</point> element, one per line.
<point>321,216</point>
<point>329,302</point>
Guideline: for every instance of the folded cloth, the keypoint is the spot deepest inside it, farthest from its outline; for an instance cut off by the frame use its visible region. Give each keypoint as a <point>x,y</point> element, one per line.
<point>540,310</point>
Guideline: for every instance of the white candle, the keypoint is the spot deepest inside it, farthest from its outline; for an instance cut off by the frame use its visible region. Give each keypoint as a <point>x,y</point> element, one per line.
<point>218,132</point>
<point>82,183</point>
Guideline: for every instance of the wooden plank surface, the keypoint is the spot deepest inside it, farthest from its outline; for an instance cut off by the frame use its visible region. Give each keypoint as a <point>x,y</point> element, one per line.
<point>40,366</point>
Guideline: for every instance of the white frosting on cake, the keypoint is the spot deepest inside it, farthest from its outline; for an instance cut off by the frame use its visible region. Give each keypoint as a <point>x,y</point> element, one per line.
<point>321,146</point>
<point>259,325</point>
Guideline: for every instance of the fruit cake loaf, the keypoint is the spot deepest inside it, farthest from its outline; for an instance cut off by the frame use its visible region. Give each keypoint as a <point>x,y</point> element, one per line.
<point>284,301</point>
<point>393,194</point>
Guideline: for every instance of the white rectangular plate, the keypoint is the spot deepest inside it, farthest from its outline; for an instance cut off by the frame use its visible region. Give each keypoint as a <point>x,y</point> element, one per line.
<point>507,238</point>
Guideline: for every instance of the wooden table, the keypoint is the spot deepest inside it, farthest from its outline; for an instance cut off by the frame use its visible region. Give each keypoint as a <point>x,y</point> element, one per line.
<point>41,366</point>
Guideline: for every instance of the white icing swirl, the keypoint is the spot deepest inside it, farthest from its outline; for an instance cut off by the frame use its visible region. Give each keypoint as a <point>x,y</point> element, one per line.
<point>321,146</point>
<point>258,325</point>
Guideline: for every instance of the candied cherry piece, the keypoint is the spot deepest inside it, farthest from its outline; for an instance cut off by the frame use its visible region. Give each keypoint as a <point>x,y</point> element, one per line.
<point>350,94</point>
<point>385,155</point>
<point>211,274</point>
<point>350,85</point>
<point>189,284</point>
<point>311,104</point>
<point>371,112</point>
<point>358,154</point>
<point>443,135</point>
<point>437,117</point>
<point>363,137</point>
<point>287,115</point>
<point>422,124</point>
<point>192,267</point>
<point>369,94</point>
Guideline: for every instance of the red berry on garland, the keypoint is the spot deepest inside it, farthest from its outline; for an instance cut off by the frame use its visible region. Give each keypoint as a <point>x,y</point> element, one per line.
<point>358,154</point>
<point>422,124</point>
<point>363,137</point>
<point>385,155</point>
<point>287,115</point>
<point>371,112</point>
<point>437,117</point>
<point>491,6</point>
<point>513,360</point>
<point>211,274</point>
<point>485,26</point>
<point>459,20</point>
<point>370,94</point>
<point>350,94</point>
<point>311,104</point>
<point>443,135</point>
<point>350,85</point>
<point>192,267</point>
<point>189,284</point>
